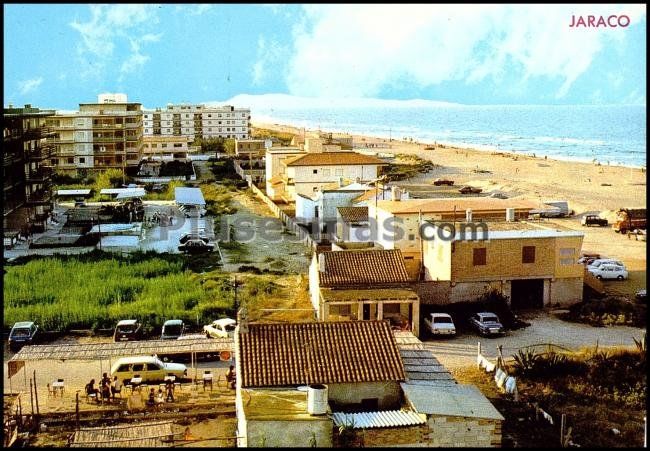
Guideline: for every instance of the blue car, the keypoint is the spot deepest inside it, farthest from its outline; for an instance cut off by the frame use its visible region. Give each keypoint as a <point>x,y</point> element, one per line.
<point>486,324</point>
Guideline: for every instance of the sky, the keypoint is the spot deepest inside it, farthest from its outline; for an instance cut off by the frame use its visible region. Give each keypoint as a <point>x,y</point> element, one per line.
<point>57,56</point>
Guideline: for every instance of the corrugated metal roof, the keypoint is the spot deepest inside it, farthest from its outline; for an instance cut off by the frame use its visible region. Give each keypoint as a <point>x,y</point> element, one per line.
<point>383,419</point>
<point>73,192</point>
<point>453,400</point>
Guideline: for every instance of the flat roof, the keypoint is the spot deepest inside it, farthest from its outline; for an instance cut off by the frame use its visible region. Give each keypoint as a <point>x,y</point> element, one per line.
<point>73,192</point>
<point>458,204</point>
<point>131,192</point>
<point>508,230</point>
<point>135,227</point>
<point>94,351</point>
<point>193,196</point>
<point>277,404</point>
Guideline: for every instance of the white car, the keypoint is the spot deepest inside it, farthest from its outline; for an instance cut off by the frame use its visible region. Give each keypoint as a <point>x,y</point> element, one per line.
<point>149,368</point>
<point>220,328</point>
<point>600,261</point>
<point>609,271</point>
<point>440,324</point>
<point>192,211</point>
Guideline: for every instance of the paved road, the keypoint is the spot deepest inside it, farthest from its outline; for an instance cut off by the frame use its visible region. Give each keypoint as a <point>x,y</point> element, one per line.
<point>460,351</point>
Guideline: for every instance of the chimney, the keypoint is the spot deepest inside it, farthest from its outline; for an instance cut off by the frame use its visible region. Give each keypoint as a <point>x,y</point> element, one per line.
<point>395,193</point>
<point>321,263</point>
<point>510,214</point>
<point>468,215</point>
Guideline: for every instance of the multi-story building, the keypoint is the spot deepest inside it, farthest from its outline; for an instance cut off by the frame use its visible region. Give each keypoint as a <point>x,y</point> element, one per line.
<point>27,199</point>
<point>198,121</point>
<point>250,148</point>
<point>167,147</point>
<point>102,135</point>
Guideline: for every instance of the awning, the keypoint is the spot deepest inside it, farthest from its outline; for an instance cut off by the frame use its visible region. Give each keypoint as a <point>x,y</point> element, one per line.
<point>131,192</point>
<point>189,196</point>
<point>73,192</point>
<point>147,435</point>
<point>95,351</point>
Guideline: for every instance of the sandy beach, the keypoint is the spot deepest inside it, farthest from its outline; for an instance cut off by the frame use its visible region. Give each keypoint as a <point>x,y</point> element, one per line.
<point>589,188</point>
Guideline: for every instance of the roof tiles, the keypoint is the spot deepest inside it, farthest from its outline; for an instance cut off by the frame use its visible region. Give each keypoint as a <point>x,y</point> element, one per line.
<point>274,355</point>
<point>334,159</point>
<point>345,268</point>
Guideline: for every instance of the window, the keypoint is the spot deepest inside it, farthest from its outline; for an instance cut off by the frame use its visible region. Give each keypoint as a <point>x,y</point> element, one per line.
<point>123,368</point>
<point>528,254</point>
<point>138,366</point>
<point>70,160</point>
<point>315,188</point>
<point>567,261</point>
<point>315,171</point>
<point>82,160</point>
<point>154,146</point>
<point>338,172</point>
<point>326,172</point>
<point>480,254</point>
<point>152,367</point>
<point>566,251</point>
<point>178,145</point>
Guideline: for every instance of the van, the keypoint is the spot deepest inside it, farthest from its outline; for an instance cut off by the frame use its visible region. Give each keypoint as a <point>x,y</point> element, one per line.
<point>128,330</point>
<point>23,333</point>
<point>149,368</point>
<point>172,329</point>
<point>609,271</point>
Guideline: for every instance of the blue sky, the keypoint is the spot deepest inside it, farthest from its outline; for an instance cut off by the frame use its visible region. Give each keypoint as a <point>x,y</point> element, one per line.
<point>56,56</point>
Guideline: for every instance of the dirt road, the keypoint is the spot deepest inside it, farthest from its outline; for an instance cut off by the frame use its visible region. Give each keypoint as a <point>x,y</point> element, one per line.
<point>460,351</point>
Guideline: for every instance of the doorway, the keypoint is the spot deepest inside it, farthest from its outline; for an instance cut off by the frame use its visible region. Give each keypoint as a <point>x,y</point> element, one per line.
<point>527,294</point>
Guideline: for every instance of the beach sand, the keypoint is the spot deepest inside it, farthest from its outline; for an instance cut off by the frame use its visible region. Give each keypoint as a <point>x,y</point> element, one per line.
<point>587,187</point>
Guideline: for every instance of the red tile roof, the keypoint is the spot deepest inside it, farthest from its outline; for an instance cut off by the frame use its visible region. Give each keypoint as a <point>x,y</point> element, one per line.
<point>353,214</point>
<point>334,159</point>
<point>351,268</point>
<point>273,355</point>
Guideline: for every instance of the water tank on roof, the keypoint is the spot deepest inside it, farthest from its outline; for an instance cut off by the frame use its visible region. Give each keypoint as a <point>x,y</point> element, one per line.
<point>317,399</point>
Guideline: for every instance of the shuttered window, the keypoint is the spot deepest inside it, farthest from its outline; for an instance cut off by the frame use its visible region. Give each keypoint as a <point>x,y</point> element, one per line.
<point>480,256</point>
<point>528,254</point>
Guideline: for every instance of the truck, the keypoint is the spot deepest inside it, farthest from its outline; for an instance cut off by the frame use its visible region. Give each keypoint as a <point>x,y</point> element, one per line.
<point>628,219</point>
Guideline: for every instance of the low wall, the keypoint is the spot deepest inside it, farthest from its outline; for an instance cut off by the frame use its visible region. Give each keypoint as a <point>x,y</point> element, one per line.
<point>448,431</point>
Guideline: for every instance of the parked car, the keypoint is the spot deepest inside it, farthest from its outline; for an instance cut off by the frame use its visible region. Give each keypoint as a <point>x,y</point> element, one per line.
<point>172,329</point>
<point>499,195</point>
<point>588,258</point>
<point>189,236</point>
<point>128,330</point>
<point>589,220</point>
<point>220,328</point>
<point>443,181</point>
<point>609,271</point>
<point>149,368</point>
<point>469,190</point>
<point>196,246</point>
<point>596,263</point>
<point>640,295</point>
<point>486,323</point>
<point>440,324</point>
<point>23,333</point>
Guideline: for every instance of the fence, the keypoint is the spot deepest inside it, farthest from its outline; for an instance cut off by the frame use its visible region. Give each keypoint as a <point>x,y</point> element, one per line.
<point>258,174</point>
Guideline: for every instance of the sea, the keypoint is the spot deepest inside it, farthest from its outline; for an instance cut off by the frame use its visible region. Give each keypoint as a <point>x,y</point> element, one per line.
<point>608,134</point>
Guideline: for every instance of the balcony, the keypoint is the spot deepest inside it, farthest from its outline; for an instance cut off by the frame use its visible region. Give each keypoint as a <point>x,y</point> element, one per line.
<point>41,154</point>
<point>42,174</point>
<point>40,197</point>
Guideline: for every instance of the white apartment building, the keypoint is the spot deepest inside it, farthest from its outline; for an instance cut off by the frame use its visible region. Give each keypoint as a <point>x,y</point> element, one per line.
<point>102,135</point>
<point>198,121</point>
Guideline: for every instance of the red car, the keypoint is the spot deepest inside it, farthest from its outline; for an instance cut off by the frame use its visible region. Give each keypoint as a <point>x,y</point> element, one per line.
<point>469,190</point>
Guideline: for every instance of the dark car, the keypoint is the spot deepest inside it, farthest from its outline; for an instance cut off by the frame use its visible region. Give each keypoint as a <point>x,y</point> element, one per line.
<point>440,182</point>
<point>128,330</point>
<point>469,190</point>
<point>23,333</point>
<point>196,246</point>
<point>640,295</point>
<point>486,323</point>
<point>594,220</point>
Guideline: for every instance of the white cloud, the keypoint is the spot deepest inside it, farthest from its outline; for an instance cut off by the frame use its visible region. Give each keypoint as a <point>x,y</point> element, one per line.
<point>269,54</point>
<point>27,86</point>
<point>111,27</point>
<point>356,50</point>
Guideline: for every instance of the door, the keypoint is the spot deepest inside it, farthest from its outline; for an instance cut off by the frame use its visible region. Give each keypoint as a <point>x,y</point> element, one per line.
<point>527,294</point>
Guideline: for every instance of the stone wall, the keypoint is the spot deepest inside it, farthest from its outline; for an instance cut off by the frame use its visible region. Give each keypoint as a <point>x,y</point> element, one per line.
<point>447,431</point>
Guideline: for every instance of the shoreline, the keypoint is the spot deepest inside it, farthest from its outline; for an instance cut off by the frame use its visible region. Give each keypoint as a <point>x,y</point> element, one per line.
<point>588,187</point>
<point>269,122</point>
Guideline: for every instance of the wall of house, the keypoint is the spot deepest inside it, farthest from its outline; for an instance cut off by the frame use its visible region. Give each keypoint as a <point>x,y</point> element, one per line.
<point>314,286</point>
<point>437,259</point>
<point>565,291</point>
<point>406,436</point>
<point>290,433</point>
<point>305,209</point>
<point>448,431</point>
<point>306,180</point>
<point>388,393</point>
<point>567,249</point>
<point>503,259</point>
